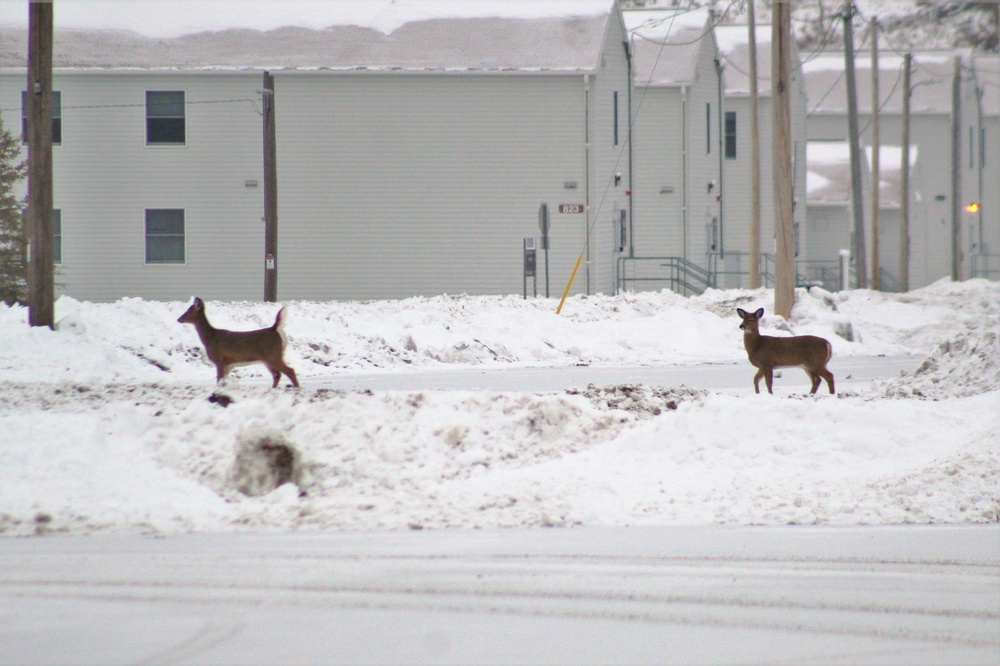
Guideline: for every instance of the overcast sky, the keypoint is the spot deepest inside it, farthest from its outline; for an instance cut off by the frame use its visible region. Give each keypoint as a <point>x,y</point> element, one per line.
<point>170,18</point>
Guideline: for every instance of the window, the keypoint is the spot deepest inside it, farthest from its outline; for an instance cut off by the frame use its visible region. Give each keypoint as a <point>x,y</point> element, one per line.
<point>56,236</point>
<point>616,117</point>
<point>972,147</point>
<point>730,135</point>
<point>164,236</point>
<point>708,128</point>
<point>165,117</point>
<point>56,117</point>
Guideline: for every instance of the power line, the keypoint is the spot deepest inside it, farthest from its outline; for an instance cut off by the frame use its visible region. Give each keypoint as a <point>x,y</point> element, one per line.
<point>142,105</point>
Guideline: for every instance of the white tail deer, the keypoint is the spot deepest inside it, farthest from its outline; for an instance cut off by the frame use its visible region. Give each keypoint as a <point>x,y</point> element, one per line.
<point>809,352</point>
<point>227,349</point>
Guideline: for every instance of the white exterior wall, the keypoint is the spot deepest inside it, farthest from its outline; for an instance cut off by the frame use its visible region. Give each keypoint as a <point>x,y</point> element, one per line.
<point>990,198</point>
<point>389,185</point>
<point>737,197</point>
<point>393,186</point>
<point>930,194</point>
<point>606,160</point>
<point>673,151</point>
<point>105,176</point>
<point>980,172</point>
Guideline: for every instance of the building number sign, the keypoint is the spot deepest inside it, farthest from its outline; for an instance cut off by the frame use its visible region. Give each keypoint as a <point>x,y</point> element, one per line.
<point>570,208</point>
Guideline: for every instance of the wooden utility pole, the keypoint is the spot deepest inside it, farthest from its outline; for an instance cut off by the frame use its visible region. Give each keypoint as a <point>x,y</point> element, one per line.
<point>270,194</point>
<point>781,153</point>
<point>854,139</point>
<point>41,284</point>
<point>956,171</point>
<point>904,186</point>
<point>876,148</point>
<point>754,153</point>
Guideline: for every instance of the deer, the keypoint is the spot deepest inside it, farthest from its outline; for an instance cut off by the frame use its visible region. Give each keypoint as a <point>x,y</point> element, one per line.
<point>228,349</point>
<point>809,352</point>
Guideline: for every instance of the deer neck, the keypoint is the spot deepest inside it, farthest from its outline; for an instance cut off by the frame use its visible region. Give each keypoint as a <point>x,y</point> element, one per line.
<point>751,339</point>
<point>205,330</point>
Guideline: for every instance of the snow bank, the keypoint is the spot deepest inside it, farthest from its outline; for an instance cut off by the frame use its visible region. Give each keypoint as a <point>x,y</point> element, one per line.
<point>113,422</point>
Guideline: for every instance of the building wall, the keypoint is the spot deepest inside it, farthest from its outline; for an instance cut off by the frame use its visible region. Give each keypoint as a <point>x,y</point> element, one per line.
<point>393,186</point>
<point>389,185</point>
<point>609,160</point>
<point>989,217</point>
<point>676,157</point>
<point>737,197</point>
<point>106,176</point>
<point>981,172</point>
<point>930,188</point>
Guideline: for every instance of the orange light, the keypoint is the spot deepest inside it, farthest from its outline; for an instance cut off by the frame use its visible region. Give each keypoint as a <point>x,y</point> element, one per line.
<point>973,207</point>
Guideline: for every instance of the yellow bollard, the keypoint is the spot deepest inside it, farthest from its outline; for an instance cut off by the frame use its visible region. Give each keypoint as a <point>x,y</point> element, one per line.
<point>570,284</point>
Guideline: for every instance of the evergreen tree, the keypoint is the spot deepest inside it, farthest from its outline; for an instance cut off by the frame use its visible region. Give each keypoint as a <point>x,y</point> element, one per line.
<point>13,235</point>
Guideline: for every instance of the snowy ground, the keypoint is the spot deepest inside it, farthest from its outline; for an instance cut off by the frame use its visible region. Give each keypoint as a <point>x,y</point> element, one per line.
<point>113,423</point>
<point>185,523</point>
<point>905,595</point>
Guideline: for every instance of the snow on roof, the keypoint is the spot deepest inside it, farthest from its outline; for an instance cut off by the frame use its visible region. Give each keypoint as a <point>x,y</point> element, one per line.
<point>439,35</point>
<point>931,79</point>
<point>828,172</point>
<point>664,25</point>
<point>666,44</point>
<point>176,18</point>
<point>734,49</point>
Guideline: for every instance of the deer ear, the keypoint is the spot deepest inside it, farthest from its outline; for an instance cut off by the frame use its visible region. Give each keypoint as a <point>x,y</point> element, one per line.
<point>197,302</point>
<point>741,312</point>
<point>759,313</point>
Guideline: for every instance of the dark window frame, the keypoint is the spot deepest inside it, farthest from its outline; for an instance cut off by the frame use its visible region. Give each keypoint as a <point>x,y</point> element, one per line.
<point>166,119</point>
<point>163,243</point>
<point>56,117</point>
<point>57,236</point>
<point>616,116</point>
<point>708,128</point>
<point>730,135</point>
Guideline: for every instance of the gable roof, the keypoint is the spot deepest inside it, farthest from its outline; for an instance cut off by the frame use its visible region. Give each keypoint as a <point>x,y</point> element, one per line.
<point>666,44</point>
<point>564,41</point>
<point>734,49</point>
<point>930,80</point>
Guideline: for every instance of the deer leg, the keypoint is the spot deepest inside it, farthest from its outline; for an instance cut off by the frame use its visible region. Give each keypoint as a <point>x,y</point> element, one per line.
<point>814,376</point>
<point>828,376</point>
<point>769,379</point>
<point>756,380</point>
<point>280,368</point>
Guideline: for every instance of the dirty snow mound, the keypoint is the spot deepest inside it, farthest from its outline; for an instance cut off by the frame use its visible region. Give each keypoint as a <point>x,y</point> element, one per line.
<point>965,366</point>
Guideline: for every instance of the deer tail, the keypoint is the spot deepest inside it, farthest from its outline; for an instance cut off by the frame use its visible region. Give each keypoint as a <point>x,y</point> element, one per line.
<point>279,326</point>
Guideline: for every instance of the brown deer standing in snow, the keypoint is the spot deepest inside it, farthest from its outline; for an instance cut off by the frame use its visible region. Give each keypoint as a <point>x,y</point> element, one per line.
<point>227,349</point>
<point>809,352</point>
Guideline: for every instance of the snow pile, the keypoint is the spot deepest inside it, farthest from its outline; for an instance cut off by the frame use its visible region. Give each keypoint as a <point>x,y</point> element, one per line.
<point>113,421</point>
<point>967,365</point>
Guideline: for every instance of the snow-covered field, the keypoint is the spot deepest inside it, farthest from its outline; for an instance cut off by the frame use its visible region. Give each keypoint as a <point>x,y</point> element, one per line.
<point>113,422</point>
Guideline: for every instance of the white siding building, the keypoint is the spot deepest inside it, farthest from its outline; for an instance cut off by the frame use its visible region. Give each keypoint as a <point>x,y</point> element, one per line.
<point>409,163</point>
<point>983,175</point>
<point>734,51</point>
<point>933,201</point>
<point>678,224</point>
